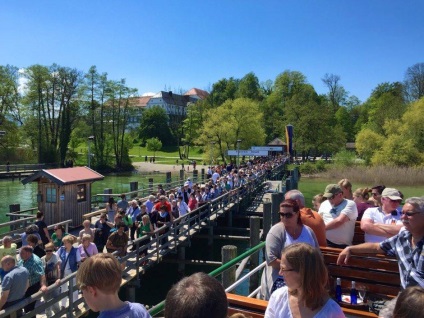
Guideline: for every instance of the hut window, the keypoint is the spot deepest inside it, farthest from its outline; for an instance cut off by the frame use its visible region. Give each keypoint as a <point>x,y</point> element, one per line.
<point>51,194</point>
<point>81,193</point>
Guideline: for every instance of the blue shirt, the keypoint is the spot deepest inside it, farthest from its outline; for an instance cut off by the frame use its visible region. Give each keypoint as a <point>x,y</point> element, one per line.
<point>129,310</point>
<point>15,282</point>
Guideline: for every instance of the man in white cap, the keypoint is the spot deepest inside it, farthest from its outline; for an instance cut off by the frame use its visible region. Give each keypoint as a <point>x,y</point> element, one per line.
<point>339,215</point>
<point>384,221</point>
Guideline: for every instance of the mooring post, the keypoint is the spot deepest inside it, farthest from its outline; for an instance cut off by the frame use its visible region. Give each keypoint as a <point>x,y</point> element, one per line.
<point>182,174</point>
<point>150,185</point>
<point>168,180</point>
<point>276,199</point>
<point>228,252</point>
<point>289,184</point>
<point>181,259</point>
<point>195,175</point>
<point>106,197</point>
<point>255,226</point>
<point>267,221</point>
<point>14,208</point>
<point>134,187</point>
<point>202,171</point>
<point>295,175</point>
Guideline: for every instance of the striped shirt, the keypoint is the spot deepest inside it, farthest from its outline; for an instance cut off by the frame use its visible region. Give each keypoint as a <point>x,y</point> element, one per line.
<point>35,267</point>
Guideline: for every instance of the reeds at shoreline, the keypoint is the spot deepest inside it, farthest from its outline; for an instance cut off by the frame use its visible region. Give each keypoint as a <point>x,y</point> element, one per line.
<point>407,176</point>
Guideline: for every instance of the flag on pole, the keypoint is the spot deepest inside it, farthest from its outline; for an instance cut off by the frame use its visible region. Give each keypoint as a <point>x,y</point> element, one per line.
<point>289,139</point>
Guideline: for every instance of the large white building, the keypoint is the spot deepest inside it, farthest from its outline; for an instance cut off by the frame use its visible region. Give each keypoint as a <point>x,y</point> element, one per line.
<point>173,104</point>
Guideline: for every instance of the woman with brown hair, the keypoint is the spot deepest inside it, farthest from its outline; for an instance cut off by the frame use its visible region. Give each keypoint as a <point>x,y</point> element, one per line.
<point>305,293</point>
<point>288,231</point>
<point>361,197</point>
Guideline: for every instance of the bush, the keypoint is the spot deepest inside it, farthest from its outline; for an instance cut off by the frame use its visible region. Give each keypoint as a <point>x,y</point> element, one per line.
<point>344,158</point>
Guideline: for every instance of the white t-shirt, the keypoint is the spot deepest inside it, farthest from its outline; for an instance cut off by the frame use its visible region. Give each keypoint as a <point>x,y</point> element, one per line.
<point>344,233</point>
<point>378,216</point>
<point>278,307</point>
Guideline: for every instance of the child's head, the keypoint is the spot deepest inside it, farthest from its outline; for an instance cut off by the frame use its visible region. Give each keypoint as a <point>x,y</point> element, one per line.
<point>101,271</point>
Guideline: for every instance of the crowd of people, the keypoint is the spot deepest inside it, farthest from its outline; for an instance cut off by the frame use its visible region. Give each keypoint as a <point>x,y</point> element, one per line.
<point>295,277</point>
<point>389,228</point>
<point>49,258</point>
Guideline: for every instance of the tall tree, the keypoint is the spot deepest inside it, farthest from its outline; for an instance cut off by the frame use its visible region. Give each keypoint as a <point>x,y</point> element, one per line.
<point>155,123</point>
<point>10,97</point>
<point>414,81</point>
<point>249,87</point>
<point>242,122</point>
<point>336,93</point>
<point>120,100</point>
<point>94,94</point>
<point>223,90</point>
<point>52,93</point>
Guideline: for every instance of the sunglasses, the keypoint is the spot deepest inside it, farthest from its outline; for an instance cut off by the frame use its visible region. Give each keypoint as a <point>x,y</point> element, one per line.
<point>49,251</point>
<point>287,215</point>
<point>409,213</point>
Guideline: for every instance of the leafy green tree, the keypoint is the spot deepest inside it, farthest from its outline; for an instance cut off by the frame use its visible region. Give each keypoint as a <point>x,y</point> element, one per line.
<point>367,143</point>
<point>249,87</point>
<point>93,93</point>
<point>52,96</point>
<point>192,124</point>
<point>10,98</point>
<point>386,102</point>
<point>222,90</point>
<point>154,144</point>
<point>242,122</point>
<point>286,85</point>
<point>398,151</point>
<point>155,123</point>
<point>118,106</point>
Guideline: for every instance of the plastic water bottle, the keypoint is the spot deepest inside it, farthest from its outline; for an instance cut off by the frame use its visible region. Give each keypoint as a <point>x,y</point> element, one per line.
<point>339,290</point>
<point>353,294</point>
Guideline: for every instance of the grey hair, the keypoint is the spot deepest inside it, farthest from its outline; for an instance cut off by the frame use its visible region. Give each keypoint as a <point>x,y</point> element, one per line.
<point>416,202</point>
<point>296,195</point>
<point>151,197</point>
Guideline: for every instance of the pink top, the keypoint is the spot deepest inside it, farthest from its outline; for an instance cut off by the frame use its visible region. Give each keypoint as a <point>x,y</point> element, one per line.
<point>91,249</point>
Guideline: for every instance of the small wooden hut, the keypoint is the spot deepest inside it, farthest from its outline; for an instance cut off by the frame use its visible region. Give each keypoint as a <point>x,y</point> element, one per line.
<point>65,193</point>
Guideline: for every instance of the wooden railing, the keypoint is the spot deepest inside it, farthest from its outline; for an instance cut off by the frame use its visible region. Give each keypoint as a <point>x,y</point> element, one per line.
<point>177,232</point>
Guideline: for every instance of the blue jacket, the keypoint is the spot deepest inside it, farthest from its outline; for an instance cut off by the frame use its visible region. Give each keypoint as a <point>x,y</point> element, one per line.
<point>72,260</point>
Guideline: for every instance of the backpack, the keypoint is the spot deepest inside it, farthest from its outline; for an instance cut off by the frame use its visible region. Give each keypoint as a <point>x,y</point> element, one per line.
<point>50,272</point>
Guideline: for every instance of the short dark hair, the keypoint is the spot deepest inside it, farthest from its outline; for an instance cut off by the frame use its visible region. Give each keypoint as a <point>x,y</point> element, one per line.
<point>39,215</point>
<point>379,188</point>
<point>196,296</point>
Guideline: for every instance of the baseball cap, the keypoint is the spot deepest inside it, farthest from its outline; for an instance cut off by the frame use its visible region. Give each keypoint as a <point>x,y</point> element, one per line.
<point>331,190</point>
<point>391,193</point>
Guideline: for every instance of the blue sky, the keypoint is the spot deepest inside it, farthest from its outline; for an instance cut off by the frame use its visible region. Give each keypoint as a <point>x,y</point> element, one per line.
<point>183,44</point>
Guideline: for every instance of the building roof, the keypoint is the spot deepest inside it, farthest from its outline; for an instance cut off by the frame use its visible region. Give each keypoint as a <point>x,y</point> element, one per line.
<point>64,176</point>
<point>197,92</point>
<point>140,101</point>
<point>277,142</point>
<point>173,99</point>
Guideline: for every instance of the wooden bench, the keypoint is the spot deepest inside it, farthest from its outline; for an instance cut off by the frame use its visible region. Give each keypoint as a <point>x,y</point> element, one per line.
<point>378,274</point>
<point>255,308</point>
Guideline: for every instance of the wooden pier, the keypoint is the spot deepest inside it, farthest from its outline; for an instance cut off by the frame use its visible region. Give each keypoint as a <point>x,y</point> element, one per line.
<point>178,235</point>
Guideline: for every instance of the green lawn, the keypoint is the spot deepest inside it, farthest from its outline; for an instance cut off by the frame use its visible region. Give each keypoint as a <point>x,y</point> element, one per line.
<point>312,186</point>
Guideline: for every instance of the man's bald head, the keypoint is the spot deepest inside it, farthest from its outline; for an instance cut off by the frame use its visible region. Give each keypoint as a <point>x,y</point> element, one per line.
<point>8,262</point>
